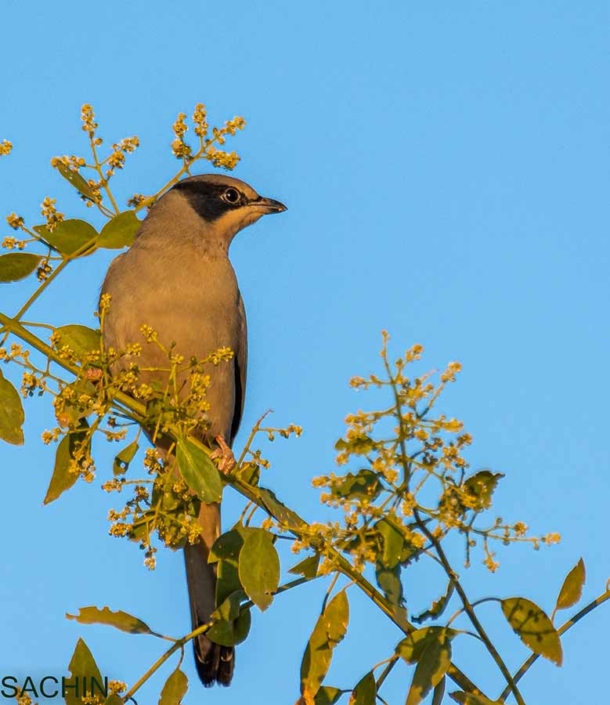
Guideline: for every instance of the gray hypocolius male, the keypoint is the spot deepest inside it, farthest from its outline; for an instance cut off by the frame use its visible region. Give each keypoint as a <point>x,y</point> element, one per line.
<point>177,278</point>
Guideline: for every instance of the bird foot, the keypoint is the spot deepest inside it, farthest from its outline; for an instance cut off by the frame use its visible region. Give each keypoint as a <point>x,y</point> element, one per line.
<point>224,455</point>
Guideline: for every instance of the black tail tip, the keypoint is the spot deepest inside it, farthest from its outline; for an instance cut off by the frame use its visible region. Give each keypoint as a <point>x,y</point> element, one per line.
<point>217,667</point>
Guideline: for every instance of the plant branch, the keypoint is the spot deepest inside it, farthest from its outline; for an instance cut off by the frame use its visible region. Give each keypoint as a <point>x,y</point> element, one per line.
<point>468,608</point>
<point>341,564</point>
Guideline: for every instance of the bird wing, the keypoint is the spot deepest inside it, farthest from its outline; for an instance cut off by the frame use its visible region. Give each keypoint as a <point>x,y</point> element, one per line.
<point>240,368</point>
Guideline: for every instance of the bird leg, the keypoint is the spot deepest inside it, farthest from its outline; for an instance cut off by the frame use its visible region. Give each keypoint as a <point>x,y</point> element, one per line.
<point>224,455</point>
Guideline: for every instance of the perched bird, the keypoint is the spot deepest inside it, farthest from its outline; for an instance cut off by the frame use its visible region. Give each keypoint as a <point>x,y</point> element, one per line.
<point>177,278</point>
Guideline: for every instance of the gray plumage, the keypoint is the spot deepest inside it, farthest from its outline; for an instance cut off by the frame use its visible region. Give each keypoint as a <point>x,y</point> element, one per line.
<point>178,279</point>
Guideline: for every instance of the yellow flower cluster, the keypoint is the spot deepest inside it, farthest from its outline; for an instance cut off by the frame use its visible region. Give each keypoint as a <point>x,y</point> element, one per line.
<point>51,436</point>
<point>180,148</point>
<point>207,148</point>
<point>141,494</point>
<point>44,270</point>
<point>71,162</point>
<point>50,212</point>
<point>453,369</point>
<point>116,160</point>
<point>230,128</point>
<point>15,352</point>
<point>221,355</point>
<point>114,516</point>
<point>87,117</point>
<point>149,333</point>
<point>152,461</point>
<point>222,160</point>
<point>114,485</point>
<point>30,384</point>
<point>116,687</point>
<point>134,349</point>
<point>150,560</point>
<point>135,200</point>
<point>127,379</point>
<point>291,429</point>
<point>180,127</point>
<point>105,300</point>
<point>119,529</point>
<point>82,462</point>
<point>551,539</point>
<point>12,243</point>
<point>176,359</point>
<point>490,562</point>
<point>15,221</point>
<point>5,148</point>
<point>200,120</point>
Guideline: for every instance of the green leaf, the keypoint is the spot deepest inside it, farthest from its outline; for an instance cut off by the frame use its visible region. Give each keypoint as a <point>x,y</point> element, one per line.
<point>120,231</point>
<point>358,445</point>
<point>80,339</point>
<point>390,583</point>
<point>533,627</point>
<point>308,567</point>
<point>413,646</point>
<point>142,526</point>
<point>232,622</point>
<point>327,695</point>
<point>123,458</point>
<point>438,606</point>
<point>18,265</point>
<point>481,487</point>
<point>394,549</point>
<point>76,180</point>
<point>120,620</point>
<point>259,568</point>
<point>439,692</point>
<point>62,479</point>
<point>174,689</point>
<point>472,699</point>
<point>231,607</point>
<point>69,236</point>
<point>431,668</point>
<point>365,693</point>
<point>226,551</point>
<point>82,666</point>
<point>198,471</point>
<point>390,554</point>
<point>227,546</point>
<point>571,590</point>
<point>12,415</point>
<point>329,630</point>
<point>336,617</point>
<point>364,484</point>
<point>279,511</point>
<point>249,473</point>
<point>393,552</point>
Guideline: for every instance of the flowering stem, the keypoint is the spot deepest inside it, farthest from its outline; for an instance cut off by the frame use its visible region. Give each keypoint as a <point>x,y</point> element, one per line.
<point>468,608</point>
<point>302,530</point>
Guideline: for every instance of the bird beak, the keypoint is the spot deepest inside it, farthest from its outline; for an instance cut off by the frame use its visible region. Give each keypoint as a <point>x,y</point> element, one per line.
<point>268,205</point>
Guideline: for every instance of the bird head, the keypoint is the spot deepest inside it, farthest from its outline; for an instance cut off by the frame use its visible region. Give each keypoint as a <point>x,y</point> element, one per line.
<point>225,204</point>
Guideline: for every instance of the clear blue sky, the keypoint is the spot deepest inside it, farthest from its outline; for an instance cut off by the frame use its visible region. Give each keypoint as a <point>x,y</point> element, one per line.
<point>446,171</point>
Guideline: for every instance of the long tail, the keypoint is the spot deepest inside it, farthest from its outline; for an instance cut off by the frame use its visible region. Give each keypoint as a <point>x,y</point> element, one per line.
<point>214,663</point>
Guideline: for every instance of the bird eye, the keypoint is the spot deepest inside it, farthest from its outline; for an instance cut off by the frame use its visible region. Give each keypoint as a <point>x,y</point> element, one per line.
<point>231,195</point>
